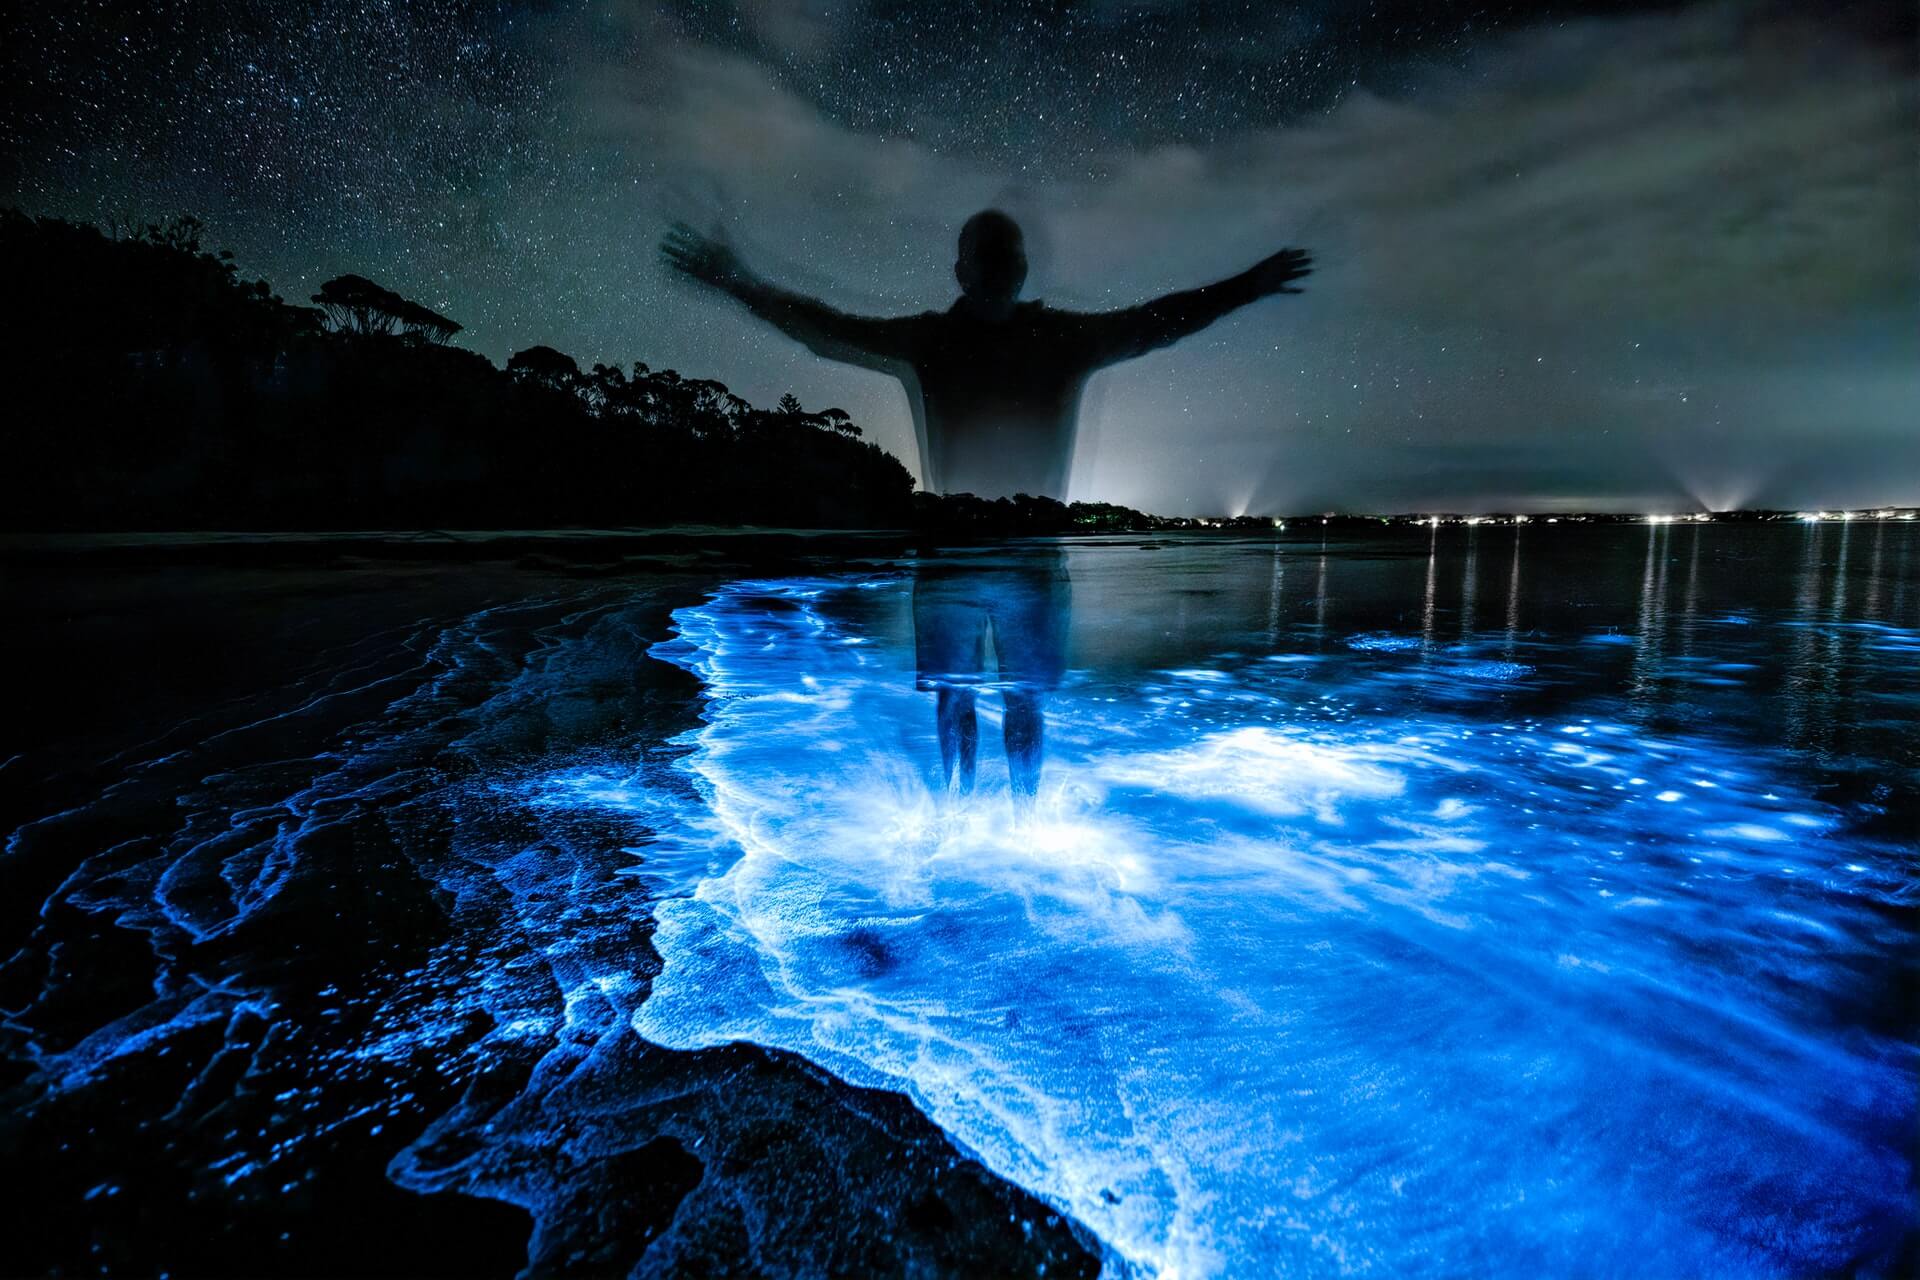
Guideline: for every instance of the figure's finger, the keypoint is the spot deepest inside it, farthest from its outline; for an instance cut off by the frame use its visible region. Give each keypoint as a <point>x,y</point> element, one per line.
<point>686,240</point>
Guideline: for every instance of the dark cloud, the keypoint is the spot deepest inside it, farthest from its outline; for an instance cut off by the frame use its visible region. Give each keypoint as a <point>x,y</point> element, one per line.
<point>1058,83</point>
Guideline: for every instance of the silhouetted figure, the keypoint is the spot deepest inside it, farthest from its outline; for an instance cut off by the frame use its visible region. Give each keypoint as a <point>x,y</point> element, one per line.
<point>994,382</point>
<point>995,388</point>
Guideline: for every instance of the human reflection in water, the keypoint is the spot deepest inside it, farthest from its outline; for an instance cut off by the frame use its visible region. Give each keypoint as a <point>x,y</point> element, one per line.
<point>1020,601</point>
<point>995,387</point>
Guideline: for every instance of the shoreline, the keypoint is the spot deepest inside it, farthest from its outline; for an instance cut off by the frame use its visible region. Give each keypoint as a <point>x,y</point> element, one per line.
<point>443,1039</point>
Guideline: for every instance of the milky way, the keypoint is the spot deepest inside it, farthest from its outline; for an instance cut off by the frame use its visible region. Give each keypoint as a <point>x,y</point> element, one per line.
<point>1600,254</point>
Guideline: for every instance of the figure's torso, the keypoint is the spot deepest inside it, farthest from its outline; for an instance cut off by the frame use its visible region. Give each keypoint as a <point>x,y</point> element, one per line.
<point>1001,400</point>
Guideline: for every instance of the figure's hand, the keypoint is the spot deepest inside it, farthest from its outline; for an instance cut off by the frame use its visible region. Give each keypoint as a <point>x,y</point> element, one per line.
<point>707,259</point>
<point>1275,274</point>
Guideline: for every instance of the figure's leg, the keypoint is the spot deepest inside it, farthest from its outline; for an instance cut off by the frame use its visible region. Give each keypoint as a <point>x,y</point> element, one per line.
<point>959,737</point>
<point>949,641</point>
<point>1029,608</point>
<point>1025,731</point>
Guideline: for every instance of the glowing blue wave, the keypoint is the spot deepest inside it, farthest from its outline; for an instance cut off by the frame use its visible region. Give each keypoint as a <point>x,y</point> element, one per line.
<point>1323,960</point>
<point>1279,979</point>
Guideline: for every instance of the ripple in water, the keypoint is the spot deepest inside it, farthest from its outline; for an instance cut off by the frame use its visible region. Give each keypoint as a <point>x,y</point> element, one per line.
<point>1279,982</point>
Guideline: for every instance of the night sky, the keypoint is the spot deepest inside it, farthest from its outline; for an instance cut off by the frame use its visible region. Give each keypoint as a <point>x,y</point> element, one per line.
<point>1604,255</point>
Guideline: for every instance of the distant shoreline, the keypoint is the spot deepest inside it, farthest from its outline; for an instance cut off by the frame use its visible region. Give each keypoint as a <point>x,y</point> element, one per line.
<point>706,545</point>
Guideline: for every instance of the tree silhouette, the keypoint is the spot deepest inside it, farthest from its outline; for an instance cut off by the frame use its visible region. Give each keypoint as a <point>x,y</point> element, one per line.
<point>545,366</point>
<point>421,322</point>
<point>182,233</point>
<point>189,398</point>
<point>355,304</point>
<point>838,420</point>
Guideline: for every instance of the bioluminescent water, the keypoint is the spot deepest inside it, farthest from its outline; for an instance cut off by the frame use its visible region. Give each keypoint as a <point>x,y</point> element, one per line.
<point>1497,903</point>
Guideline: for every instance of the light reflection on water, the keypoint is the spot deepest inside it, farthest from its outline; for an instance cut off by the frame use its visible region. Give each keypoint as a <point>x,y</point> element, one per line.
<point>1413,950</point>
<point>1482,901</point>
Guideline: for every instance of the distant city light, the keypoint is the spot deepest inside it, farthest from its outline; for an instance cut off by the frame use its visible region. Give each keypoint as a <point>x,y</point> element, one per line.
<point>1431,521</point>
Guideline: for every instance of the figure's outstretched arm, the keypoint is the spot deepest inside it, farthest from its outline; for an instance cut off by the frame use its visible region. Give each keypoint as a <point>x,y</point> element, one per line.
<point>864,340</point>
<point>1122,335</point>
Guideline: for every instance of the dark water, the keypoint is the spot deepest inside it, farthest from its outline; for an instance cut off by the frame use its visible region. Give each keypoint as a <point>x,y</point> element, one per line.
<point>1527,902</point>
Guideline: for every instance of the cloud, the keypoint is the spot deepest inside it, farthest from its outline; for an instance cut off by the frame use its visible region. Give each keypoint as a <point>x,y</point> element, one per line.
<point>1658,168</point>
<point>1578,255</point>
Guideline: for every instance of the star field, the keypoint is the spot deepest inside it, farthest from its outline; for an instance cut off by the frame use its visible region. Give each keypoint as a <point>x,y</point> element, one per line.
<point>1595,253</point>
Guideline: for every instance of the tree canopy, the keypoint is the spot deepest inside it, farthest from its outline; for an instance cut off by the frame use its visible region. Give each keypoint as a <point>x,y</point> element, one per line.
<point>355,304</point>
<point>154,388</point>
<point>545,365</point>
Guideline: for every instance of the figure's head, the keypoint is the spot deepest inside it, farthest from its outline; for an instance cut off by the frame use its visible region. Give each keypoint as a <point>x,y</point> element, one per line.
<point>993,260</point>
